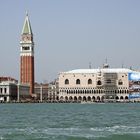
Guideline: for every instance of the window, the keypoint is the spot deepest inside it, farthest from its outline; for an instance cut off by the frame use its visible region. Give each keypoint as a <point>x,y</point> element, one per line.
<point>108,81</point>
<point>5,90</point>
<point>0,90</point>
<point>89,81</point>
<point>25,48</point>
<point>120,82</point>
<point>66,82</point>
<point>99,82</point>
<point>78,81</point>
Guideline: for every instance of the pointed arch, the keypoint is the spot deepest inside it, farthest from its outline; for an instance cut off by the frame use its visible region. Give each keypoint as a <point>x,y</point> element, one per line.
<point>126,97</point>
<point>84,98</point>
<point>66,98</point>
<point>79,98</point>
<point>117,98</point>
<point>98,98</point>
<point>120,82</point>
<point>89,98</point>
<point>66,82</point>
<point>75,98</point>
<point>99,82</point>
<point>93,98</point>
<point>78,82</point>
<point>70,98</point>
<point>89,81</point>
<point>121,98</point>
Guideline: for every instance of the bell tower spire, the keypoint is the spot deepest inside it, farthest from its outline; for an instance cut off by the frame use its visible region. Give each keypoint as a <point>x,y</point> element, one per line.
<point>27,26</point>
<point>27,55</point>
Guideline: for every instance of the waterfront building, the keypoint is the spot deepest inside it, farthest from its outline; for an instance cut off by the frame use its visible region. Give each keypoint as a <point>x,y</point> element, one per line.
<point>8,89</point>
<point>23,92</point>
<point>105,84</point>
<point>27,55</point>
<point>41,91</point>
<point>53,91</point>
<point>3,78</point>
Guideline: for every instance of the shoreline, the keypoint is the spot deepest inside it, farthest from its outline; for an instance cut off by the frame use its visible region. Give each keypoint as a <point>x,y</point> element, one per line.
<point>68,102</point>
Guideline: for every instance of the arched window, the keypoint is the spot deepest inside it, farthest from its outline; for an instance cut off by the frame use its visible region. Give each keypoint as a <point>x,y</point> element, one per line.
<point>75,98</point>
<point>89,98</point>
<point>120,82</point>
<point>108,81</point>
<point>66,98</point>
<point>121,97</point>
<point>89,81</point>
<point>78,81</point>
<point>98,98</point>
<point>66,82</point>
<point>70,98</point>
<point>79,98</point>
<point>126,97</point>
<point>93,98</point>
<point>99,82</point>
<point>117,98</point>
<point>84,98</point>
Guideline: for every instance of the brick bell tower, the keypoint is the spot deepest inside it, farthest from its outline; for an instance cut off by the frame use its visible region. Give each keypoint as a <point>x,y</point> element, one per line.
<point>27,55</point>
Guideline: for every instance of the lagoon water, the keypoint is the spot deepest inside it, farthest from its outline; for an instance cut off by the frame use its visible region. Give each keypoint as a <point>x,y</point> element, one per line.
<point>70,121</point>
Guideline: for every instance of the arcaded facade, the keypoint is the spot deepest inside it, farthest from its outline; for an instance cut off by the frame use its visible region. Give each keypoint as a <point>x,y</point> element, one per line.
<point>94,85</point>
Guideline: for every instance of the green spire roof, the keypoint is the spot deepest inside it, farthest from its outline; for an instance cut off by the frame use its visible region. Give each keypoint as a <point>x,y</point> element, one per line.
<point>27,26</point>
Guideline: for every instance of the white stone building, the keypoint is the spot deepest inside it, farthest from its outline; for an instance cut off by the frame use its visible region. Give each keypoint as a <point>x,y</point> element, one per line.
<point>8,91</point>
<point>23,92</point>
<point>94,84</point>
<point>53,91</point>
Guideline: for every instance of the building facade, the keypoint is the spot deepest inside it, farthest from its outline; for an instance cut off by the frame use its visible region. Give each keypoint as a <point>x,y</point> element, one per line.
<point>53,91</point>
<point>41,91</point>
<point>94,85</point>
<point>27,56</point>
<point>2,79</point>
<point>8,91</point>
<point>23,92</point>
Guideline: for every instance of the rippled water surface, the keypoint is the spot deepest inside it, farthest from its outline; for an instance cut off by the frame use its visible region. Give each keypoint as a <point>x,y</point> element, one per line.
<point>70,121</point>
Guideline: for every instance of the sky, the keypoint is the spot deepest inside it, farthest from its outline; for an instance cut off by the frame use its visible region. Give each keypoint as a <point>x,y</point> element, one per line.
<point>70,34</point>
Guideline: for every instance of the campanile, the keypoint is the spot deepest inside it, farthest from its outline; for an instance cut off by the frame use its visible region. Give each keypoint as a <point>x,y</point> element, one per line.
<point>27,55</point>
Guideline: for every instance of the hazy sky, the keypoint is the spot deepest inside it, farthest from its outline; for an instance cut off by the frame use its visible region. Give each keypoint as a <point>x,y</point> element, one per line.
<point>68,34</point>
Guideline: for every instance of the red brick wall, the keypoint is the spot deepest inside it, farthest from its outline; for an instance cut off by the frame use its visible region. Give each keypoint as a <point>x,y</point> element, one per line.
<point>27,71</point>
